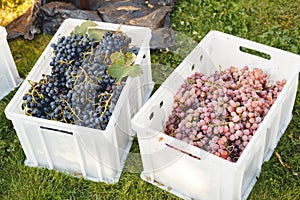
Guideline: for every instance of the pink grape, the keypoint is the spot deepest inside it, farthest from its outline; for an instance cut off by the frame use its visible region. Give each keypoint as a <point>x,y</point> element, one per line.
<point>232,137</point>
<point>221,112</point>
<point>235,118</point>
<point>239,110</point>
<point>258,119</point>
<point>245,137</point>
<point>237,127</point>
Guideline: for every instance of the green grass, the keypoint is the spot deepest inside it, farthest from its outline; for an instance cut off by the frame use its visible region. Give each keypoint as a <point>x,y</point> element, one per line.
<point>275,23</point>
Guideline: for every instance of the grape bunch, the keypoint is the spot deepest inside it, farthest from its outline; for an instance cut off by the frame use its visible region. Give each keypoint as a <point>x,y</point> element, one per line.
<point>220,113</point>
<point>45,98</point>
<point>79,89</point>
<point>96,92</point>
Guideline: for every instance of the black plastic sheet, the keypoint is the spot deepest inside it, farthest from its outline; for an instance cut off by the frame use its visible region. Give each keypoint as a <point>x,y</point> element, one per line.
<point>54,13</point>
<point>94,4</point>
<point>47,16</point>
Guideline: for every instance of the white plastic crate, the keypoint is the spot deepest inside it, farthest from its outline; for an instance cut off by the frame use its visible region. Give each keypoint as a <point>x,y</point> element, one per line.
<point>190,172</point>
<point>9,77</point>
<point>98,155</point>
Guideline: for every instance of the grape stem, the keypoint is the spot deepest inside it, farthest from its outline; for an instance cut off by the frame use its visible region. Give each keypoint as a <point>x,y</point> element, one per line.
<point>69,106</point>
<point>65,62</point>
<point>33,85</point>
<point>231,146</point>
<point>106,102</point>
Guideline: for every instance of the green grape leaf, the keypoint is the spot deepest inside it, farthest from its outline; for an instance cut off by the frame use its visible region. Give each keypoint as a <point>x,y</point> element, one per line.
<point>82,28</point>
<point>97,34</point>
<point>122,66</point>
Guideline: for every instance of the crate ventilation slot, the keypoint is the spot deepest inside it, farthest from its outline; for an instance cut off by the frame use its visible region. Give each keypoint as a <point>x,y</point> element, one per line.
<point>255,52</point>
<point>161,104</point>
<point>151,116</point>
<point>57,130</point>
<point>189,154</point>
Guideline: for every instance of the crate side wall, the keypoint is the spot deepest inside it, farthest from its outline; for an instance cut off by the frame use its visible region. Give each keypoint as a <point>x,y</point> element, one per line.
<point>9,76</point>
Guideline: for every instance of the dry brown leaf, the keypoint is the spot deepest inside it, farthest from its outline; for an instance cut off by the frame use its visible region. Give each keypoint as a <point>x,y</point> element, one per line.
<point>284,164</point>
<point>281,162</point>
